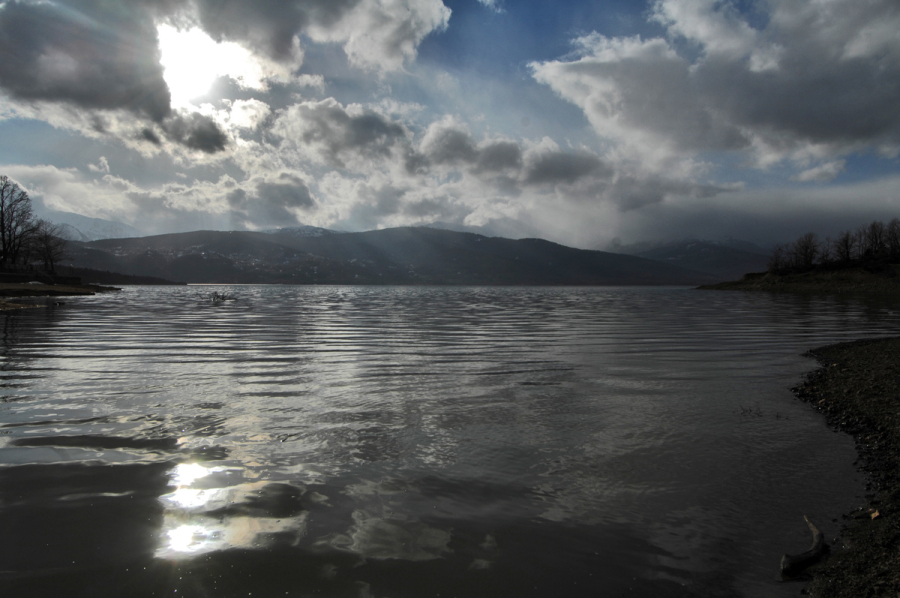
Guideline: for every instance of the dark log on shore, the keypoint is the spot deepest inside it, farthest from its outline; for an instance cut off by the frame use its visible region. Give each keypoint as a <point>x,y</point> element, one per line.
<point>793,564</point>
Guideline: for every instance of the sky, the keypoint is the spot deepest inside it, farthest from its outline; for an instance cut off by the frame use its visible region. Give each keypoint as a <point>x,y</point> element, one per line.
<point>580,122</point>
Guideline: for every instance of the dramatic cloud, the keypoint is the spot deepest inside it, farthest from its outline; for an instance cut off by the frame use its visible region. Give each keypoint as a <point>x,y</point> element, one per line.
<point>498,155</point>
<point>148,57</point>
<point>559,167</point>
<point>381,34</point>
<point>196,131</point>
<point>192,61</point>
<point>356,114</point>
<point>641,94</point>
<point>287,192</point>
<point>328,133</point>
<point>79,53</point>
<point>68,191</point>
<point>818,79</point>
<point>447,142</point>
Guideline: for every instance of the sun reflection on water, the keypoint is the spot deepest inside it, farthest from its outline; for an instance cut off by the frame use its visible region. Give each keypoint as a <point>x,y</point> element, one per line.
<point>244,515</point>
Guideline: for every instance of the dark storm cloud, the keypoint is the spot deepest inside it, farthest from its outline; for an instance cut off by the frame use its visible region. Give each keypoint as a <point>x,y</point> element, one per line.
<point>497,156</point>
<point>631,193</point>
<point>328,132</point>
<point>91,54</point>
<point>196,131</point>
<point>287,191</point>
<point>433,208</point>
<point>147,134</point>
<point>565,167</point>
<point>449,144</point>
<point>272,201</point>
<point>853,100</point>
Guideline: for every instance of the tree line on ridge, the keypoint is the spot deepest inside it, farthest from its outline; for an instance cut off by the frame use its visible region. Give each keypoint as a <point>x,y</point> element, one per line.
<point>876,242</point>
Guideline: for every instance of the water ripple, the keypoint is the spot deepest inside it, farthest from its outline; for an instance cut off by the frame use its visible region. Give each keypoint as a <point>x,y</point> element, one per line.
<point>481,428</point>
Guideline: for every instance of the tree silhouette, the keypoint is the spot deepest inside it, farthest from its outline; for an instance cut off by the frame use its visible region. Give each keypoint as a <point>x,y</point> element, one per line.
<point>48,245</point>
<point>872,245</point>
<point>805,251</point>
<point>17,223</point>
<point>844,246</point>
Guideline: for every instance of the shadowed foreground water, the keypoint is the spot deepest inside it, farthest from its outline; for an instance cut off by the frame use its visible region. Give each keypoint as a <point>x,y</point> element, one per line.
<point>411,442</point>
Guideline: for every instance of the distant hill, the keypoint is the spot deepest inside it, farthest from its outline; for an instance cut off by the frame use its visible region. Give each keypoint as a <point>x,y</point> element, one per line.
<point>408,255</point>
<point>83,228</point>
<point>301,231</point>
<point>703,256</point>
<point>726,258</point>
<point>103,277</point>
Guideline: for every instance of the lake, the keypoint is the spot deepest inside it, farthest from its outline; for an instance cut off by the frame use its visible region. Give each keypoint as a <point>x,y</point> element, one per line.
<point>418,441</point>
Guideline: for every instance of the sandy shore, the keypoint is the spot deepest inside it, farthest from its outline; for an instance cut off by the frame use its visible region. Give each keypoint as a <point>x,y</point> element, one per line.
<point>858,390</point>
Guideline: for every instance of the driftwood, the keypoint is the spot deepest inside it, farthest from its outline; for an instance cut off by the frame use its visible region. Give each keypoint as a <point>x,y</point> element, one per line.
<point>794,564</point>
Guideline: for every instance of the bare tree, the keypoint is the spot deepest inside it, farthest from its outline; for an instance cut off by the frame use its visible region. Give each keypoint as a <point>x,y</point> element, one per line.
<point>17,222</point>
<point>48,245</point>
<point>826,251</point>
<point>862,241</point>
<point>844,246</point>
<point>875,237</point>
<point>804,251</point>
<point>892,239</point>
<point>779,259</point>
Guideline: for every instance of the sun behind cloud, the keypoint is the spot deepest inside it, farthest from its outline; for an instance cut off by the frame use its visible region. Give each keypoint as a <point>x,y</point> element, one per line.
<point>192,61</point>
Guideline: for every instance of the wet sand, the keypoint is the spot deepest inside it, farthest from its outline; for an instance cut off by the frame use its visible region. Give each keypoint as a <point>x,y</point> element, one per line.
<point>858,390</point>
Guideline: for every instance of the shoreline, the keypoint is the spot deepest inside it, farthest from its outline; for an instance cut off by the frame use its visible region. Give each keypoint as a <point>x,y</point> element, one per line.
<point>857,389</point>
<point>27,290</point>
<point>858,280</point>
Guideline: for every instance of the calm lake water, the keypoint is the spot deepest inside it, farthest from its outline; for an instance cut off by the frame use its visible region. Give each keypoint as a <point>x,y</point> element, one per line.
<point>412,442</point>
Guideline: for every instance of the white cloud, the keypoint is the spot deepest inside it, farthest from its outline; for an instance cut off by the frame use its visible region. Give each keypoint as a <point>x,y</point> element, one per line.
<point>69,191</point>
<point>102,165</point>
<point>383,34</point>
<point>822,173</point>
<point>495,5</point>
<point>817,80</point>
<point>316,82</point>
<point>248,114</point>
<point>640,94</point>
<point>719,29</point>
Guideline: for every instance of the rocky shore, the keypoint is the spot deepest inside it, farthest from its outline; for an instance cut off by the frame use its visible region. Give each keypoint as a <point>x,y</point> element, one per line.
<point>857,388</point>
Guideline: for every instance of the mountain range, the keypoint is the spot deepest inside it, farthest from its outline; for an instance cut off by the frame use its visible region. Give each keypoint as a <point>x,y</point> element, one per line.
<point>407,255</point>
<point>76,227</point>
